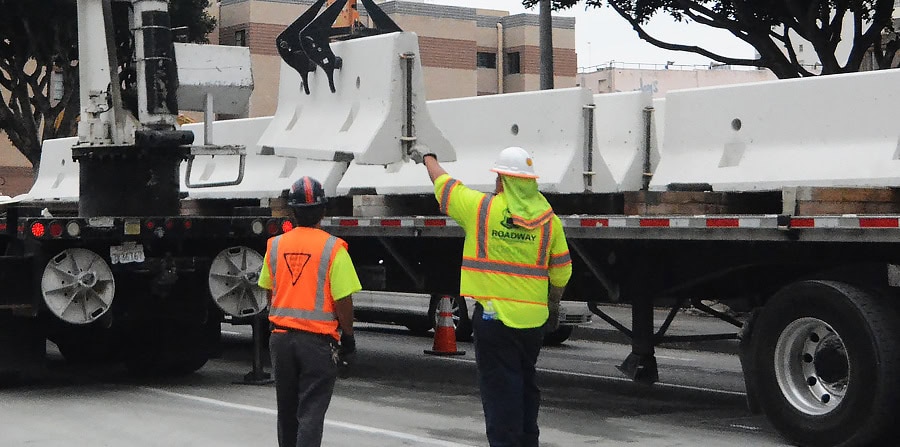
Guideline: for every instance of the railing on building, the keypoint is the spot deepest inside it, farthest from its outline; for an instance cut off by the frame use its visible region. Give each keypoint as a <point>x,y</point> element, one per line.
<point>667,66</point>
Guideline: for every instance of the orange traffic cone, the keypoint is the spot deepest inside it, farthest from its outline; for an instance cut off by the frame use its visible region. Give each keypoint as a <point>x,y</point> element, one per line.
<point>444,332</point>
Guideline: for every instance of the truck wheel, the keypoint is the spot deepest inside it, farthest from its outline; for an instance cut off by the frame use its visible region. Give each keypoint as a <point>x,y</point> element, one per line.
<point>558,336</point>
<point>824,363</point>
<point>169,349</point>
<point>86,345</point>
<point>460,316</point>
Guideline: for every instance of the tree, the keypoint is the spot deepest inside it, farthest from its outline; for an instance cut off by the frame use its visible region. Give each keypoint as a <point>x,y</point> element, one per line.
<point>39,38</point>
<point>773,28</point>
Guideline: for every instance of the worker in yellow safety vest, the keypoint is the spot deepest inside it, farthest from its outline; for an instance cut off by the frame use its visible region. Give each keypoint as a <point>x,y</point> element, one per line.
<point>516,265</point>
<point>311,278</point>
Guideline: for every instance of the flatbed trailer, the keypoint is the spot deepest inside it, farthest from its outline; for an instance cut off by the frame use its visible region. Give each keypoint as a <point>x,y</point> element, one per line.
<point>820,341</point>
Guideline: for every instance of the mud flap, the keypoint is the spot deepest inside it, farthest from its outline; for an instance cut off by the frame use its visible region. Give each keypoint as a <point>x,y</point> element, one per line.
<point>23,348</point>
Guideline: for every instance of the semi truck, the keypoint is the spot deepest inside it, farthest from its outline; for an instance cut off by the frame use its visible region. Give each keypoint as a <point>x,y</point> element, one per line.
<point>777,198</point>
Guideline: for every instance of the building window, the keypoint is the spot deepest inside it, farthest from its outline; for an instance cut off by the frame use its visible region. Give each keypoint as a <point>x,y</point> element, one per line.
<point>513,65</point>
<point>486,60</point>
<point>240,38</point>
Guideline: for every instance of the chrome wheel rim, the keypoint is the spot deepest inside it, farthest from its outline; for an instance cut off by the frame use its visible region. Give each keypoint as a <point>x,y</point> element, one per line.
<point>811,366</point>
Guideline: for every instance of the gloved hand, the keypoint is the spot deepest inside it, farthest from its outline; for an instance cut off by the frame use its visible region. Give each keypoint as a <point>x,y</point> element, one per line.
<point>346,355</point>
<point>418,153</point>
<point>552,323</point>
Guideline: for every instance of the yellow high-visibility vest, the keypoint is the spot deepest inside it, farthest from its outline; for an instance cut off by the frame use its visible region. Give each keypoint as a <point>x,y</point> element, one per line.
<point>506,264</point>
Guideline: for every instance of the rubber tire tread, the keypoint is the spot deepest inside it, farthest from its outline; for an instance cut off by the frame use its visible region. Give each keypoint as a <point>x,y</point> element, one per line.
<point>852,313</point>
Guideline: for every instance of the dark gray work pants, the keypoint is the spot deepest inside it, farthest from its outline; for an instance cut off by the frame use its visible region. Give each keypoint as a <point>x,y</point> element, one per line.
<point>305,368</point>
<point>506,359</point>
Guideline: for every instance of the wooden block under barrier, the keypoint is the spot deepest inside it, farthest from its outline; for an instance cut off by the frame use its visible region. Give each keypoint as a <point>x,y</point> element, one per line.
<point>862,195</point>
<point>812,201</point>
<point>825,208</point>
<point>701,202</point>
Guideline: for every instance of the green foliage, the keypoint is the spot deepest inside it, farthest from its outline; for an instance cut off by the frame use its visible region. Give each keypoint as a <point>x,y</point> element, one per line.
<point>40,37</point>
<point>774,28</point>
<point>192,14</point>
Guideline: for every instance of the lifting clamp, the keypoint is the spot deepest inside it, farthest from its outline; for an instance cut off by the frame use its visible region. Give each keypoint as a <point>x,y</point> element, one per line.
<point>305,44</point>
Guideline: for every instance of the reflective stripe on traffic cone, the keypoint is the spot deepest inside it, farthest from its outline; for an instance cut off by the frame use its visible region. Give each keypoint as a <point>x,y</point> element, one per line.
<point>444,332</point>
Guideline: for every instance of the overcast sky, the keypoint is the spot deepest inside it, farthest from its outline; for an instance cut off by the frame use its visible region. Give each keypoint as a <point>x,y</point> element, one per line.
<point>602,36</point>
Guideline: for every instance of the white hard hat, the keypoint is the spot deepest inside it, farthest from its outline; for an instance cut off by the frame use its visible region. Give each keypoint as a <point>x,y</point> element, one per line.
<point>516,162</point>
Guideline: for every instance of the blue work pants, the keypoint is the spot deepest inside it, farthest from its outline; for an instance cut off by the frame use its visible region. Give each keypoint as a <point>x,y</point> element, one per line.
<point>510,396</point>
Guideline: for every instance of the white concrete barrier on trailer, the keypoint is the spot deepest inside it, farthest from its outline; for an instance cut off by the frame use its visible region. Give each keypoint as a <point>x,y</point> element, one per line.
<point>266,175</point>
<point>549,124</point>
<point>620,140</point>
<point>57,177</point>
<point>366,116</point>
<point>837,130</point>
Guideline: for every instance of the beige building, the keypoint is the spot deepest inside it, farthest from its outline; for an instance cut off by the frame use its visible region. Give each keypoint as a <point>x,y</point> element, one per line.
<point>464,51</point>
<point>659,79</point>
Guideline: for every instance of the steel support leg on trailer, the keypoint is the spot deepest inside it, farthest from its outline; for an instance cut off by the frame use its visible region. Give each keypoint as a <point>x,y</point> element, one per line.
<point>257,376</point>
<point>640,365</point>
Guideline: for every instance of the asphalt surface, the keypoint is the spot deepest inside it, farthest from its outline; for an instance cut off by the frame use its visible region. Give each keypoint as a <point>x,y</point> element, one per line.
<point>687,322</point>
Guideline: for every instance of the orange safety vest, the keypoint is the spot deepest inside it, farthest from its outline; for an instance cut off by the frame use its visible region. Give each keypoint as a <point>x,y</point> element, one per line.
<point>300,262</point>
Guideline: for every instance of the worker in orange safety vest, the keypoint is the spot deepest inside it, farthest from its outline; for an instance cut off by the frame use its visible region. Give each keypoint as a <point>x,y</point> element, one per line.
<point>311,278</point>
<point>516,265</point>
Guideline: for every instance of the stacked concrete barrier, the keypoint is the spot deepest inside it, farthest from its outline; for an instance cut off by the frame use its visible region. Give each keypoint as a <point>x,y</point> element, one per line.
<point>837,130</point>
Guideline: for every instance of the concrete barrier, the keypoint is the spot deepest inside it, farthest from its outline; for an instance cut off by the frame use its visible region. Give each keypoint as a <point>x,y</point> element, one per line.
<point>837,130</point>
<point>57,178</point>
<point>548,124</point>
<point>366,117</point>
<point>620,139</point>
<point>266,175</point>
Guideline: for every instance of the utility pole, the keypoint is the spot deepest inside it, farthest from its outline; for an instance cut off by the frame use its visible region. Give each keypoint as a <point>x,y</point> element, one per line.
<point>546,43</point>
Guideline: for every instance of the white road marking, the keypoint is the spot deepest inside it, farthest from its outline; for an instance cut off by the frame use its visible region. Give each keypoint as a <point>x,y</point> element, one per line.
<point>621,379</point>
<point>680,359</point>
<point>419,440</point>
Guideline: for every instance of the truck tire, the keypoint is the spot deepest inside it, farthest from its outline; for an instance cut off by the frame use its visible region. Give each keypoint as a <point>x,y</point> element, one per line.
<point>86,345</point>
<point>557,337</point>
<point>168,349</point>
<point>824,359</point>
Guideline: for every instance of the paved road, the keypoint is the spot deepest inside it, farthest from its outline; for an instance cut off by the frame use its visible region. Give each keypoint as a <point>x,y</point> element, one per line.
<point>397,397</point>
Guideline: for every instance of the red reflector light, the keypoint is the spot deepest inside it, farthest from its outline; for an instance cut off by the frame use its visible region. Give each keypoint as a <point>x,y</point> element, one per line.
<point>37,229</point>
<point>390,222</point>
<point>287,226</point>
<point>272,227</point>
<point>170,224</point>
<point>56,229</point>
<point>188,224</point>
<point>150,225</point>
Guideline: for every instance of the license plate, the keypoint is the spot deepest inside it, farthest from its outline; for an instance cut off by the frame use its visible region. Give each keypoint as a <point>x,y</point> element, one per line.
<point>126,253</point>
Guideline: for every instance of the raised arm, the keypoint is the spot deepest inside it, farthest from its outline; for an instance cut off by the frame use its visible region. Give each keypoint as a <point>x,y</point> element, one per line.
<point>434,168</point>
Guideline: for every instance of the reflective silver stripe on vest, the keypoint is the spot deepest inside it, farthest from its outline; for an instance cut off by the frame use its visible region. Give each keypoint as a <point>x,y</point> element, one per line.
<point>317,313</point>
<point>544,249</point>
<point>487,266</point>
<point>445,195</point>
<point>273,259</point>
<point>483,212</point>
<point>562,259</point>
<point>324,264</point>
